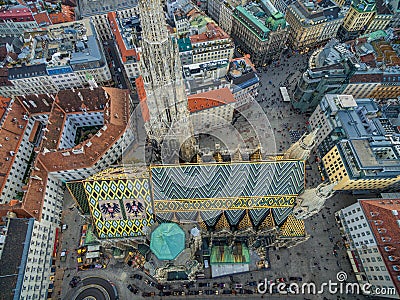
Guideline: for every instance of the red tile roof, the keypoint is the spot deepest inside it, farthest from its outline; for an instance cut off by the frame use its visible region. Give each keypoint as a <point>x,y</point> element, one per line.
<point>125,52</point>
<point>214,32</point>
<point>210,99</point>
<point>42,18</point>
<point>11,134</point>
<point>116,114</point>
<point>67,14</point>
<point>142,98</point>
<point>116,119</point>
<point>368,78</point>
<point>384,220</point>
<point>17,14</point>
<point>4,102</point>
<point>247,59</point>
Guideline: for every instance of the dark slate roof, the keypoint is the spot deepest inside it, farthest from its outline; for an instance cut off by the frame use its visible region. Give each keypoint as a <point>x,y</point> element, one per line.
<point>13,257</point>
<point>27,71</point>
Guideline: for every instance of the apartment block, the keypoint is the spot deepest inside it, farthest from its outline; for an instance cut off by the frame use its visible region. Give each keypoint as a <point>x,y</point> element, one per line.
<point>97,11</point>
<point>48,127</point>
<point>126,32</point>
<point>370,229</point>
<point>312,23</point>
<point>64,56</point>
<point>364,68</point>
<point>358,17</point>
<point>212,109</point>
<point>364,164</point>
<point>343,117</point>
<point>243,81</point>
<point>259,30</point>
<point>206,56</point>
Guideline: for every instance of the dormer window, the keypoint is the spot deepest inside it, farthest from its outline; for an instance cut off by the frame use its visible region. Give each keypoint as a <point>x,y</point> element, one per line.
<point>386,239</point>
<point>396,268</point>
<point>392,258</point>
<point>378,222</point>
<point>389,248</point>
<point>382,230</point>
<point>374,214</point>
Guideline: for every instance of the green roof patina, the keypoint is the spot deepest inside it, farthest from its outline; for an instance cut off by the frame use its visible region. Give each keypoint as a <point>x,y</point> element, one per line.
<point>257,22</point>
<point>275,21</point>
<point>167,241</point>
<point>184,44</point>
<point>376,35</point>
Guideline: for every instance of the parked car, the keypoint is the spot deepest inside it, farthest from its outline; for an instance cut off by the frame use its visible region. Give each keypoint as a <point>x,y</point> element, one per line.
<point>64,227</point>
<point>74,281</point>
<point>137,276</point>
<point>209,292</point>
<point>206,265</point>
<point>226,292</point>
<point>151,283</point>
<point>133,289</point>
<point>63,255</point>
<point>204,284</point>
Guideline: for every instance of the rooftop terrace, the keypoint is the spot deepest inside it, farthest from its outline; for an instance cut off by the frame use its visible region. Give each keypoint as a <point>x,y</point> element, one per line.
<point>57,49</point>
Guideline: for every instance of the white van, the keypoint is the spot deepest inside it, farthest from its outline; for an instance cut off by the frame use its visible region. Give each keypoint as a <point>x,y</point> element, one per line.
<point>206,265</point>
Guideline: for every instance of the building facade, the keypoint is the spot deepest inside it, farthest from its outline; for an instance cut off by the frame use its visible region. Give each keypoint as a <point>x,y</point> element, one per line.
<point>369,228</point>
<point>357,19</point>
<point>97,12</point>
<point>259,30</point>
<point>243,81</point>
<point>363,164</point>
<point>312,23</point>
<point>328,69</point>
<point>211,110</point>
<point>332,117</point>
<point>15,20</point>
<point>126,33</point>
<point>367,67</point>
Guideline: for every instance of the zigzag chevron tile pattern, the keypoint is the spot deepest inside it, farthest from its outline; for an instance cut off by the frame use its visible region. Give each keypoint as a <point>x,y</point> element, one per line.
<point>227,180</point>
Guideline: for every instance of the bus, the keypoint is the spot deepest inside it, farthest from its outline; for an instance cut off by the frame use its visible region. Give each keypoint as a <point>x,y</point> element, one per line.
<point>285,94</point>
